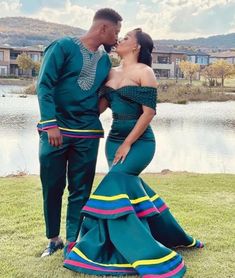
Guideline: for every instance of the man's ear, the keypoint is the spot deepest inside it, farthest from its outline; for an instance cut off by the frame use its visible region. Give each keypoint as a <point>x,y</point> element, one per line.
<point>103,28</point>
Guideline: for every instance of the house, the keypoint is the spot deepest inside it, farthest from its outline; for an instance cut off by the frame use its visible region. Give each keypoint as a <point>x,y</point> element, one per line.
<point>8,56</point>
<point>228,56</point>
<point>198,57</point>
<point>166,60</point>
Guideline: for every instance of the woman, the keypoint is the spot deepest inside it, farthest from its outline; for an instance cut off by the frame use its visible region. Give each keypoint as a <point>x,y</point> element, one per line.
<point>128,229</point>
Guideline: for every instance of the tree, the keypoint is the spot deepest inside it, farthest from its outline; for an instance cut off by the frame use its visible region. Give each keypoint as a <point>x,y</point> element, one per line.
<point>115,61</point>
<point>189,69</point>
<point>36,67</point>
<point>210,74</point>
<point>25,62</point>
<point>223,70</point>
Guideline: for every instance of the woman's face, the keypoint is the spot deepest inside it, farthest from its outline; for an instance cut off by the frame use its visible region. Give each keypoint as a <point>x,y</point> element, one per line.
<point>127,44</point>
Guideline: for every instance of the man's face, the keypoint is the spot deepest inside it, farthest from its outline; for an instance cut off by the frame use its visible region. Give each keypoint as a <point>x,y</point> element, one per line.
<point>110,35</point>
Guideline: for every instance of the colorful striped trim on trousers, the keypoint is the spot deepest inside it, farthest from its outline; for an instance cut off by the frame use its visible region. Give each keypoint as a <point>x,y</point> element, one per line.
<point>121,204</point>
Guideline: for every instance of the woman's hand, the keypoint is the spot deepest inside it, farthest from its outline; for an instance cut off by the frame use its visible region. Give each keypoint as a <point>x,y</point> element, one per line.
<point>121,153</point>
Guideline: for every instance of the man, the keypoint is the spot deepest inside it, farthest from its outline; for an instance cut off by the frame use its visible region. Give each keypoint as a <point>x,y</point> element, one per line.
<point>73,69</point>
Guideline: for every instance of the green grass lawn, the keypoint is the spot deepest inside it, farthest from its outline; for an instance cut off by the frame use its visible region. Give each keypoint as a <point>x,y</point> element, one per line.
<point>203,204</point>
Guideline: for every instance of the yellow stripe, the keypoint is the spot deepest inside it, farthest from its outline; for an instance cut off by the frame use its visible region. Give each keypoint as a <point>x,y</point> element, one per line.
<point>156,261</point>
<point>49,121</point>
<point>76,250</point>
<point>139,200</point>
<point>154,197</point>
<point>109,198</point>
<point>82,130</point>
<point>190,245</point>
<point>121,196</point>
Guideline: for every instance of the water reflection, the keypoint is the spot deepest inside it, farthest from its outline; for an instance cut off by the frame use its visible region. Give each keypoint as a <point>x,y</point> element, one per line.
<point>198,137</point>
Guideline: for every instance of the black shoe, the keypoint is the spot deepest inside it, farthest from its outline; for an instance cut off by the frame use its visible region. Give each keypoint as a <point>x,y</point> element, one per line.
<point>52,248</point>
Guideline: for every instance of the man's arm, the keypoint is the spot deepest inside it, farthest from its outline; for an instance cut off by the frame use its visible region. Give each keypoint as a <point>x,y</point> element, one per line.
<point>48,77</point>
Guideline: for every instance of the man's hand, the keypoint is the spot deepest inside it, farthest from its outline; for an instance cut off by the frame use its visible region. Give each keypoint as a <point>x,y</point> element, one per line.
<point>54,137</point>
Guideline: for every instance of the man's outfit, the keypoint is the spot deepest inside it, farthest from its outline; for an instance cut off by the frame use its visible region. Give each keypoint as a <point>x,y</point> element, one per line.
<point>68,82</point>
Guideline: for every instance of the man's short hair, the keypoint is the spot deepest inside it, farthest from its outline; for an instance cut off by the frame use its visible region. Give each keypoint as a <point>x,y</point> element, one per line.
<point>108,14</point>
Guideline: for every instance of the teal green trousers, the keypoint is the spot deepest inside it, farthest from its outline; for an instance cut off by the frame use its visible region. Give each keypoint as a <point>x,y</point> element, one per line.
<point>74,161</point>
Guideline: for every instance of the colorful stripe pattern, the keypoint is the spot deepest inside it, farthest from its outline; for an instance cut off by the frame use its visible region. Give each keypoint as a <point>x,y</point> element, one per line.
<point>118,205</point>
<point>45,125</point>
<point>76,261</point>
<point>196,243</point>
<point>170,265</point>
<point>73,133</point>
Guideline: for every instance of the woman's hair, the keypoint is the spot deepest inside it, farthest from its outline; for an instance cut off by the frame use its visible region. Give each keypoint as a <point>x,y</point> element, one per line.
<point>146,47</point>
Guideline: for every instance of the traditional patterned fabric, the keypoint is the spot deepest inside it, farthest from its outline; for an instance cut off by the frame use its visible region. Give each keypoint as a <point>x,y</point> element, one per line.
<point>142,95</point>
<point>87,75</point>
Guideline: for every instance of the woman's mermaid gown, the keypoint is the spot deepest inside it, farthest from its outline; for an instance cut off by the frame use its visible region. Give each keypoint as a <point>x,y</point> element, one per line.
<point>127,228</point>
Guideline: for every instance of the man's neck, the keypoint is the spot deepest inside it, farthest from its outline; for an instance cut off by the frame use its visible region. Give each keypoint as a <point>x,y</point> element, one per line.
<point>90,41</point>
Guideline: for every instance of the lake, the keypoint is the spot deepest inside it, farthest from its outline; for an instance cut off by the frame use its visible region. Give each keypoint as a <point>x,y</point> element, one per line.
<point>196,137</point>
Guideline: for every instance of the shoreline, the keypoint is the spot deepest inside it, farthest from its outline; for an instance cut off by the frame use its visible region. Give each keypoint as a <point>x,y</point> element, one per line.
<point>175,93</point>
<point>165,172</point>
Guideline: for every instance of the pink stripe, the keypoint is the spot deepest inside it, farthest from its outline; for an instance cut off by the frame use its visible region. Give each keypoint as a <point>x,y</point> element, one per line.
<point>47,127</point>
<point>82,265</point>
<point>165,275</point>
<point>201,245</point>
<point>103,211</point>
<point>162,208</point>
<point>148,211</point>
<point>82,136</point>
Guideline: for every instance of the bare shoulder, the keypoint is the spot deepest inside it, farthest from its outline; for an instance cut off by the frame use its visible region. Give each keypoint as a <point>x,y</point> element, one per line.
<point>148,77</point>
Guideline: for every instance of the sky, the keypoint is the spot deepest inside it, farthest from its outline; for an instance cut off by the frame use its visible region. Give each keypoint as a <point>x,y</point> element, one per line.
<point>162,19</point>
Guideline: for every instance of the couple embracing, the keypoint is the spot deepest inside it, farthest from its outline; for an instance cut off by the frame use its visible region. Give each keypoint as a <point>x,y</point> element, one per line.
<point>123,227</point>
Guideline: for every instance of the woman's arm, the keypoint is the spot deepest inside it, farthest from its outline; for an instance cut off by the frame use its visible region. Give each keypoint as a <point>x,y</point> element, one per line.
<point>148,79</point>
<point>103,105</point>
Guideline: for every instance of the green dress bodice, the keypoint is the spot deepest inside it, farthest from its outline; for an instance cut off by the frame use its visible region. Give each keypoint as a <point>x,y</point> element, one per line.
<point>126,105</point>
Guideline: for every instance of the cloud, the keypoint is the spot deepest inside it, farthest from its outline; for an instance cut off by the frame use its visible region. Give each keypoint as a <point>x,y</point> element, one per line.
<point>162,19</point>
<point>11,8</point>
<point>69,14</point>
<point>181,19</point>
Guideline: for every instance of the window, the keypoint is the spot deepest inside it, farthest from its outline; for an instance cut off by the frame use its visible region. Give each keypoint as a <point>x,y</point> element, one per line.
<point>177,61</point>
<point>1,56</point>
<point>3,70</point>
<point>163,59</point>
<point>35,57</point>
<point>14,55</point>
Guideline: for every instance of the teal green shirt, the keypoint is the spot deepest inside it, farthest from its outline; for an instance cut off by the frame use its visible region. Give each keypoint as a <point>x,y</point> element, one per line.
<point>67,87</point>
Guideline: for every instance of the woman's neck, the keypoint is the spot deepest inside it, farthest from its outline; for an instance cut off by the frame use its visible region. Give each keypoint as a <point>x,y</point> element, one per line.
<point>128,60</point>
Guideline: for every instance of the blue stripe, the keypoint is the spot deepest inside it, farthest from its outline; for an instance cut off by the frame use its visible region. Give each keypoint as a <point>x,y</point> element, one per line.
<point>46,124</point>
<point>159,202</point>
<point>113,204</point>
<point>143,206</point>
<point>160,268</point>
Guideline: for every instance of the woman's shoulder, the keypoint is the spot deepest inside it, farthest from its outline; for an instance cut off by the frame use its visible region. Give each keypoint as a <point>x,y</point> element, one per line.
<point>147,76</point>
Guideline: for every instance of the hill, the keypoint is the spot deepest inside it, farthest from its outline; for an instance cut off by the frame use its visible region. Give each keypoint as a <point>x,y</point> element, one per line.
<point>213,42</point>
<point>22,31</point>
